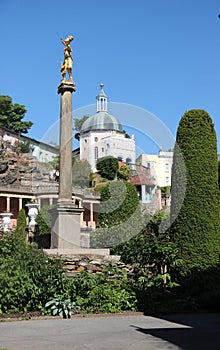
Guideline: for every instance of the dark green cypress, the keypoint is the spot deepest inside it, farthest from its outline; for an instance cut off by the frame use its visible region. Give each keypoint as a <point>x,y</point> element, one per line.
<point>195,214</point>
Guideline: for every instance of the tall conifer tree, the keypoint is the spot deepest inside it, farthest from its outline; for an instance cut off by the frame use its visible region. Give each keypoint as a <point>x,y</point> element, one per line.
<point>195,214</point>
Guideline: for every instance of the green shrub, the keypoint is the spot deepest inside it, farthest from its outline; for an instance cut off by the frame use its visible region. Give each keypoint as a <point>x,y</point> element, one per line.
<point>107,167</point>
<point>124,172</point>
<point>119,216</point>
<point>44,220</point>
<point>103,292</point>
<point>21,228</point>
<point>196,229</point>
<point>28,277</point>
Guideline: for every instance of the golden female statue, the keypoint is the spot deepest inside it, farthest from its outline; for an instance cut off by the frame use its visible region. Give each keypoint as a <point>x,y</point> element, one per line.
<point>66,66</point>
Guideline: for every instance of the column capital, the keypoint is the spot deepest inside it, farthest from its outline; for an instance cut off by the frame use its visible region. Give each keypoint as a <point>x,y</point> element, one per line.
<point>66,86</point>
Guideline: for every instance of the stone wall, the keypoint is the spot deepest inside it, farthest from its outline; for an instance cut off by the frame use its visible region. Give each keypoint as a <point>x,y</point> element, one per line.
<point>74,264</point>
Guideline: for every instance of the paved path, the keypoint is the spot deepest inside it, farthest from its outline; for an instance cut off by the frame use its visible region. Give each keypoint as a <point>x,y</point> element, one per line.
<point>138,332</point>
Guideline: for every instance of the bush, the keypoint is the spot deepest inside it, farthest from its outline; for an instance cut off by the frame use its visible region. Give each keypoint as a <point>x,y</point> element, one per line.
<point>103,292</point>
<point>119,216</point>
<point>28,277</point>
<point>21,228</point>
<point>124,172</point>
<point>81,174</point>
<point>107,167</point>
<point>44,220</point>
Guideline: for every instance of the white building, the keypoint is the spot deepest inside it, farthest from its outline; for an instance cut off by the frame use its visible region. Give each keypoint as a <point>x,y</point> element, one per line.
<point>102,135</point>
<point>40,150</point>
<point>160,166</point>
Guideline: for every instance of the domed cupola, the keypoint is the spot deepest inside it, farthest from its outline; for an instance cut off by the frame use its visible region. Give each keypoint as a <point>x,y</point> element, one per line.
<point>102,100</point>
<point>102,120</point>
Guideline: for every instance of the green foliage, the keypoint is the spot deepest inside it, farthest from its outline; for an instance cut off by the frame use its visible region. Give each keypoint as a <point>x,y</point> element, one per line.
<point>124,172</point>
<point>150,248</point>
<point>44,220</point>
<point>195,192</point>
<point>28,277</point>
<point>107,167</point>
<point>11,116</point>
<point>78,122</point>
<point>103,292</point>
<point>127,136</point>
<point>119,216</point>
<point>61,307</point>
<point>24,147</point>
<point>165,191</point>
<point>21,224</point>
<point>81,174</point>
<point>202,289</point>
<point>219,175</point>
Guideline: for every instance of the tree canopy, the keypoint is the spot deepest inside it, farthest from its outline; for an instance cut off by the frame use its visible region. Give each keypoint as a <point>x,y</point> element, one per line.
<point>107,167</point>
<point>78,122</point>
<point>196,227</point>
<point>81,172</point>
<point>11,115</point>
<point>119,216</point>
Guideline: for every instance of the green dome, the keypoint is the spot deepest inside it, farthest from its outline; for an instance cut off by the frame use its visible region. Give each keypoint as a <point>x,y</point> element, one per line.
<point>101,121</point>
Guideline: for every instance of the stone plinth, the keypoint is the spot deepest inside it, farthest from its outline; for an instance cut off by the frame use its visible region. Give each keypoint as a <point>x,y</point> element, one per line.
<point>65,233</point>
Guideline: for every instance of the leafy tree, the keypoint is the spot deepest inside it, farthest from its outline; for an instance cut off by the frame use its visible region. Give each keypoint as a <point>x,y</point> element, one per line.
<point>107,167</point>
<point>81,173</point>
<point>119,216</point>
<point>78,122</point>
<point>124,172</point>
<point>196,229</point>
<point>11,116</point>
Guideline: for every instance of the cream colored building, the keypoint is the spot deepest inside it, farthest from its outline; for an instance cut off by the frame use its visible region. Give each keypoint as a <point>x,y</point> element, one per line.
<point>160,166</point>
<point>102,135</point>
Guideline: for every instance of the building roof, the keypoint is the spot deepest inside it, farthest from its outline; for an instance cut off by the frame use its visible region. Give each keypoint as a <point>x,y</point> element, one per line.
<point>101,121</point>
<point>141,179</point>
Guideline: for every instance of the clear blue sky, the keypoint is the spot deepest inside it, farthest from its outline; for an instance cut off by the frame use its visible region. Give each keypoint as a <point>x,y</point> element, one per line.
<point>162,56</point>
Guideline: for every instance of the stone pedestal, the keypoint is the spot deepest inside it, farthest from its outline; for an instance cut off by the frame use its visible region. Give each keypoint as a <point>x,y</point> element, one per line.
<point>65,233</point>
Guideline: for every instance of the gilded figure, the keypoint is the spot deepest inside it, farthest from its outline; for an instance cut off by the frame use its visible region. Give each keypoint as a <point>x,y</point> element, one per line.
<point>66,66</point>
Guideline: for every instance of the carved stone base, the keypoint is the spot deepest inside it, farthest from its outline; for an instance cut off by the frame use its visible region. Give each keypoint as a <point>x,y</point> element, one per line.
<point>65,232</point>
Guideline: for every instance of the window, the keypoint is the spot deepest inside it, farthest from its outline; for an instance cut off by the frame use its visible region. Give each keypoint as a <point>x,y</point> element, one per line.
<point>96,139</point>
<point>167,166</point>
<point>102,149</point>
<point>120,159</point>
<point>96,152</point>
<point>167,180</point>
<point>128,160</point>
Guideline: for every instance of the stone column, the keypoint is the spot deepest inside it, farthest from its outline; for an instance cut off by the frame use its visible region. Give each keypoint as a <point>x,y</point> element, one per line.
<point>20,204</point>
<point>65,232</point>
<point>8,204</point>
<point>65,177</point>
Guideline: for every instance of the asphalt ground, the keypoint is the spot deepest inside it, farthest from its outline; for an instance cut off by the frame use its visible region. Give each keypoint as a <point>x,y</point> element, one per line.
<point>127,332</point>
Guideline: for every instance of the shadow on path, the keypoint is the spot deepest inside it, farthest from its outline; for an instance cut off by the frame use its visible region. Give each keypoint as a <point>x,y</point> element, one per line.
<point>189,332</point>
